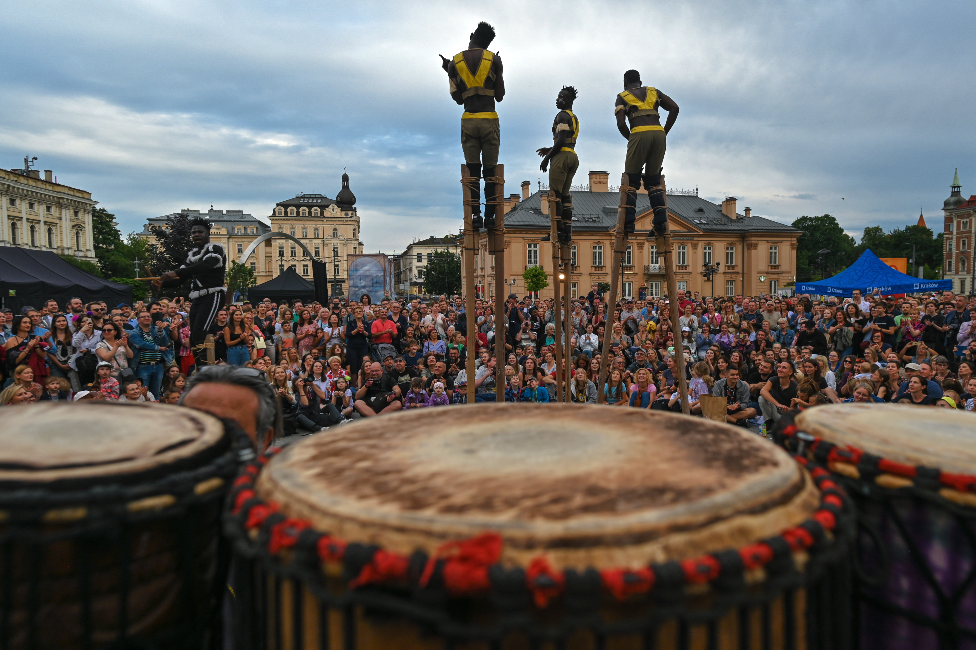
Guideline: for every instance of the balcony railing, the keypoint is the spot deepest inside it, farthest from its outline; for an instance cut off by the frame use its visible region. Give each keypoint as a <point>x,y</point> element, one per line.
<point>653,269</point>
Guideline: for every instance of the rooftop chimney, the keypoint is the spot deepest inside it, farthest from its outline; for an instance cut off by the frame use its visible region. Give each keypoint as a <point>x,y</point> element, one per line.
<point>599,181</point>
<point>748,212</point>
<point>544,197</point>
<point>526,185</point>
<point>515,198</point>
<point>728,207</point>
<point>49,175</point>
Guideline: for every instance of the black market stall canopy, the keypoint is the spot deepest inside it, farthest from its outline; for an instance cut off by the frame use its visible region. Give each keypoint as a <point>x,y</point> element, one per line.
<point>287,286</point>
<point>29,277</point>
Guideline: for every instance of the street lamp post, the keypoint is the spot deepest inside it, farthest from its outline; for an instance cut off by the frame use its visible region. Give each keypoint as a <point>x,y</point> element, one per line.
<point>335,269</point>
<point>281,260</point>
<point>822,254</point>
<point>710,271</point>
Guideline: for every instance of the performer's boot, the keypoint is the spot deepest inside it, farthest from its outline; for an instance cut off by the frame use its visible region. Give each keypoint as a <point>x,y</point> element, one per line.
<point>655,193</point>
<point>200,355</point>
<point>489,198</point>
<point>566,220</point>
<point>630,214</point>
<point>474,195</point>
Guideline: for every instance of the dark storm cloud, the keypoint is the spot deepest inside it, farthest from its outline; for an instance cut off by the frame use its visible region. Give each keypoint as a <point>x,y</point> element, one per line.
<point>155,106</point>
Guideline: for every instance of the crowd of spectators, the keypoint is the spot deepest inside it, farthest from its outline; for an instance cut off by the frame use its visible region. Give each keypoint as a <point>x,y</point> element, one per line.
<point>332,362</point>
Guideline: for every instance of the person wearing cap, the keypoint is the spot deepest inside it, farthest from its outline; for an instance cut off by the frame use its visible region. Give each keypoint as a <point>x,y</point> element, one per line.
<point>932,389</point>
<point>640,361</point>
<point>533,392</point>
<point>813,337</point>
<point>104,382</point>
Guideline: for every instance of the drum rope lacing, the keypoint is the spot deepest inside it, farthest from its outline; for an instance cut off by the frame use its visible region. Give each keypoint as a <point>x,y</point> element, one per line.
<point>859,464</point>
<point>472,566</point>
<point>877,482</point>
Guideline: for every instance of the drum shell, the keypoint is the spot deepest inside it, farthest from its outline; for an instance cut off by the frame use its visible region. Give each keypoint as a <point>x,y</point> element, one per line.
<point>127,553</point>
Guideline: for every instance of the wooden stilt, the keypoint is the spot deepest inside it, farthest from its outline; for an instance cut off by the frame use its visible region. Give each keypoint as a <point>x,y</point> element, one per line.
<point>619,247</point>
<point>568,339</point>
<point>496,246</point>
<point>469,252</point>
<point>557,309</point>
<point>679,350</point>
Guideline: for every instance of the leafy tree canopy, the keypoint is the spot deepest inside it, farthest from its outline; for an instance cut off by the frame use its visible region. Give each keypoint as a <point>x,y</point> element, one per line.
<point>240,277</point>
<point>536,278</point>
<point>171,247</point>
<point>819,233</point>
<point>442,275</point>
<point>899,242</point>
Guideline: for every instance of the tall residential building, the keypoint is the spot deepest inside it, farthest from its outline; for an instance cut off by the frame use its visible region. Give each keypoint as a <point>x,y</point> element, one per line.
<point>42,214</point>
<point>957,251</point>
<point>329,231</point>
<point>754,254</point>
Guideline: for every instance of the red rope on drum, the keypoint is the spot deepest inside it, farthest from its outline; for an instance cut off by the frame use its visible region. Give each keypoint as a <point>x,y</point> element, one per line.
<point>466,568</point>
<point>544,582</point>
<point>385,566</point>
<point>466,563</point>
<point>623,583</point>
<point>832,453</point>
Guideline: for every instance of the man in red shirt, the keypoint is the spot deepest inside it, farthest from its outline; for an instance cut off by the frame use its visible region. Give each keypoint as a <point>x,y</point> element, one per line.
<point>383,331</point>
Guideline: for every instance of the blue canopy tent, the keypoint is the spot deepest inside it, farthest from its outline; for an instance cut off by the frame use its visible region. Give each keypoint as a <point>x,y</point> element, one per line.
<point>868,274</point>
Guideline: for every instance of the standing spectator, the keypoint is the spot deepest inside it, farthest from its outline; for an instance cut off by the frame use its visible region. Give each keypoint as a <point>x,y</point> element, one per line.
<point>114,349</point>
<point>357,341</point>
<point>150,343</point>
<point>236,336</point>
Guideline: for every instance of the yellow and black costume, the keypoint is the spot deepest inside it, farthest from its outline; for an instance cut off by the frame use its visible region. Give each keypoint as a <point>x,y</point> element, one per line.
<point>645,151</point>
<point>476,82</point>
<point>562,168</point>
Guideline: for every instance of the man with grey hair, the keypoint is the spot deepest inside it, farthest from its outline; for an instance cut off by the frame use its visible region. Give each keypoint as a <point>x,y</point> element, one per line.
<point>239,394</point>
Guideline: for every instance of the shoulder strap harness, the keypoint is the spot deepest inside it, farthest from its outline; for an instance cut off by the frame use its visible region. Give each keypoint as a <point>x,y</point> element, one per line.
<point>476,82</point>
<point>638,108</point>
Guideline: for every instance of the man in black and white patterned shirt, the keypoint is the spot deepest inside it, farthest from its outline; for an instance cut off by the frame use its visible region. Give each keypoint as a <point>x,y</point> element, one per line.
<point>204,268</point>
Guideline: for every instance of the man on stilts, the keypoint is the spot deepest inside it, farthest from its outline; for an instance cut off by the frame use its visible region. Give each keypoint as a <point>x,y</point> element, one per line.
<point>204,268</point>
<point>646,144</point>
<point>476,82</point>
<point>562,163</point>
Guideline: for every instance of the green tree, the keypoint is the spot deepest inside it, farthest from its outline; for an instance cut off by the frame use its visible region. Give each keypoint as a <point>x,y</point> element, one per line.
<point>899,243</point>
<point>536,279</point>
<point>140,290</point>
<point>442,275</point>
<point>84,265</point>
<point>240,277</point>
<point>819,233</point>
<point>171,247</point>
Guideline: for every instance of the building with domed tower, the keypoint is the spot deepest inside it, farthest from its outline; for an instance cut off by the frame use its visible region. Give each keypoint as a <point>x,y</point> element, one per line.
<point>328,229</point>
<point>958,229</point>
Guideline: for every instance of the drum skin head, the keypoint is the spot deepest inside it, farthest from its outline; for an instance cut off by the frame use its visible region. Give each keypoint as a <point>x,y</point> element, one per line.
<point>585,486</point>
<point>42,443</point>
<point>940,438</point>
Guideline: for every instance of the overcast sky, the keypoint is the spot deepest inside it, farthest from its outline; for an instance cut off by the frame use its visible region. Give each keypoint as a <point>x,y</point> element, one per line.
<point>857,109</point>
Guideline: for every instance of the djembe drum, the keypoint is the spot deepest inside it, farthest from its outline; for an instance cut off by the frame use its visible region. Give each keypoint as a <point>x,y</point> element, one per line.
<point>525,526</point>
<point>912,473</point>
<point>110,525</point>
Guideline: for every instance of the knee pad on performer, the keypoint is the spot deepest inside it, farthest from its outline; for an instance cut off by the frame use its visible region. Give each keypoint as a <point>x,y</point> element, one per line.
<point>651,180</point>
<point>489,197</point>
<point>658,205</point>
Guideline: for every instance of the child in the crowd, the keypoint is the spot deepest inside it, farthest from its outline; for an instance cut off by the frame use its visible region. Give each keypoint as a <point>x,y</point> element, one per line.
<point>342,396</point>
<point>104,382</point>
<point>416,397</point>
<point>413,354</point>
<point>172,396</point>
<point>56,389</point>
<point>439,397</point>
<point>285,340</point>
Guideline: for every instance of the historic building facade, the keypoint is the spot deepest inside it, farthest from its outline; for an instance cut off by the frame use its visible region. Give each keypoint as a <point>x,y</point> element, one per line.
<point>232,229</point>
<point>407,267</point>
<point>754,255</point>
<point>959,225</point>
<point>328,229</point>
<point>41,214</point>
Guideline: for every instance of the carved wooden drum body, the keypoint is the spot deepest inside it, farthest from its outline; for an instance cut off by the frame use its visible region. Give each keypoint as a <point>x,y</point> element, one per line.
<point>109,525</point>
<point>524,526</point>
<point>912,472</point>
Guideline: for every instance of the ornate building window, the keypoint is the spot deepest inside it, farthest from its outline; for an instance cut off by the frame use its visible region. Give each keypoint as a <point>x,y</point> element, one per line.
<point>629,257</point>
<point>652,251</point>
<point>316,231</point>
<point>303,212</point>
<point>13,234</point>
<point>532,255</point>
<point>304,231</point>
<point>353,233</point>
<point>50,237</point>
<point>774,255</point>
<point>335,232</point>
<point>315,212</point>
<point>293,251</point>
<point>573,260</point>
<point>293,231</point>
<point>598,255</point>
<point>706,254</point>
<point>730,258</point>
<point>279,212</point>
<point>317,249</point>
<point>291,212</point>
<point>304,269</point>
<point>730,288</point>
<point>682,255</point>
<point>33,235</point>
<point>77,240</point>
<point>240,249</point>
